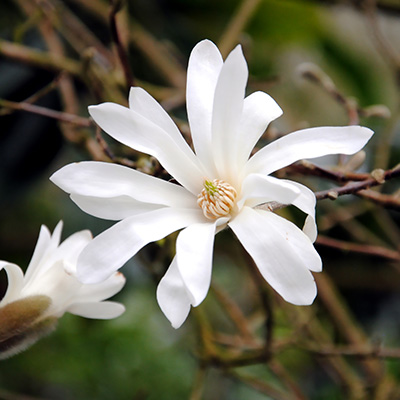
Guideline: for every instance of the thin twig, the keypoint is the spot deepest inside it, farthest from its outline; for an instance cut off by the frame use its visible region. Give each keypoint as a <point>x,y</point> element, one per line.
<point>116,6</point>
<point>236,25</point>
<point>39,58</point>
<point>369,250</point>
<point>46,112</point>
<point>362,352</point>
<point>355,187</point>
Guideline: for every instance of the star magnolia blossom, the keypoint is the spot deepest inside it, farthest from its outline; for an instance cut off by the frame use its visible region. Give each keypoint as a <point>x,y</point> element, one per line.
<point>34,301</point>
<point>219,185</point>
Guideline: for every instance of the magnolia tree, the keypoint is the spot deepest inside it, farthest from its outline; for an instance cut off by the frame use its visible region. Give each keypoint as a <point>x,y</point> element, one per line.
<point>225,168</point>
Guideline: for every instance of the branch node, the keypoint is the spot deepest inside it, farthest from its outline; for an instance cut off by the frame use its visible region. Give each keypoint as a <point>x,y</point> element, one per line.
<point>379,175</point>
<point>333,195</point>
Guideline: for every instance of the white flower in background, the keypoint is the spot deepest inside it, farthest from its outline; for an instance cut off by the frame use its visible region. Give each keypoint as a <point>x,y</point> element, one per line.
<point>33,302</point>
<point>218,186</point>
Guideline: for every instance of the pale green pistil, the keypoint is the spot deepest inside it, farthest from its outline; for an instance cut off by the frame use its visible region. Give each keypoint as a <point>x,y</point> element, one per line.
<point>217,198</point>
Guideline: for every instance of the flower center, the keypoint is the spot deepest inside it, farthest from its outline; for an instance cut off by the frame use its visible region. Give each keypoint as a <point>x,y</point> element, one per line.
<point>217,198</point>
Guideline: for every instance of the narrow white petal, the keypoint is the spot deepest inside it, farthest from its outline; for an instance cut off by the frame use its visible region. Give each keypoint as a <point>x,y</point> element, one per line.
<point>113,208</point>
<point>194,251</point>
<point>42,260</point>
<point>227,111</point>
<point>111,249</point>
<point>306,203</point>
<point>56,235</point>
<point>102,290</point>
<point>141,134</point>
<point>41,248</point>
<point>205,64</point>
<point>144,104</point>
<point>55,283</point>
<point>97,310</point>
<point>69,250</point>
<point>259,189</point>
<point>15,278</point>
<point>259,109</point>
<point>281,251</point>
<point>172,296</point>
<point>106,180</point>
<point>308,143</point>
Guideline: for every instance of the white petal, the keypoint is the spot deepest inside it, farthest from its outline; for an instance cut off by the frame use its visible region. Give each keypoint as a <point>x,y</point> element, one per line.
<point>47,246</point>
<point>113,208</point>
<point>102,290</point>
<point>55,283</point>
<point>97,310</point>
<point>70,248</point>
<point>173,297</point>
<point>227,111</point>
<point>194,251</point>
<point>140,133</point>
<point>306,203</point>
<point>308,143</point>
<point>15,278</point>
<point>112,248</point>
<point>205,64</point>
<point>259,109</point>
<point>105,180</point>
<point>41,248</point>
<point>281,251</point>
<point>144,104</point>
<point>259,189</point>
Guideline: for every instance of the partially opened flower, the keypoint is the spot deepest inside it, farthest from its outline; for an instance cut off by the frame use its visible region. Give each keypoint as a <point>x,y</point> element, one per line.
<point>33,302</point>
<point>218,185</point>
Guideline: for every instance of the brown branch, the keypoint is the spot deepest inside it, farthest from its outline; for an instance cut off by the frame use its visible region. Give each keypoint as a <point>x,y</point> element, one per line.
<point>108,152</point>
<point>116,6</point>
<point>386,200</point>
<point>346,325</point>
<point>38,58</point>
<point>362,352</point>
<point>355,187</point>
<point>305,167</point>
<point>46,112</point>
<point>234,312</point>
<point>376,251</point>
<point>236,25</point>
<point>260,385</point>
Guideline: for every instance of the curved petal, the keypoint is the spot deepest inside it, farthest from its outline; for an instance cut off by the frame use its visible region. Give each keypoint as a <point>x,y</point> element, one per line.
<point>67,253</point>
<point>102,290</point>
<point>113,208</point>
<point>15,278</point>
<point>140,133</point>
<point>97,310</point>
<point>308,143</point>
<point>205,64</point>
<point>194,251</point>
<point>259,109</point>
<point>306,203</point>
<point>105,180</point>
<point>259,189</point>
<point>227,111</point>
<point>55,283</point>
<point>111,249</point>
<point>172,296</point>
<point>69,250</point>
<point>47,247</point>
<point>144,104</point>
<point>42,246</point>
<point>281,251</point>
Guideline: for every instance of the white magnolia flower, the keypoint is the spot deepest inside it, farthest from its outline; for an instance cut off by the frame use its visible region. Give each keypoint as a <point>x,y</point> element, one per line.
<point>218,186</point>
<point>33,302</point>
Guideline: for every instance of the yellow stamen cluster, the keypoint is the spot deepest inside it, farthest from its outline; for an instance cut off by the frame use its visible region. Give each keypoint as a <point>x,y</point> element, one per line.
<point>217,198</point>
